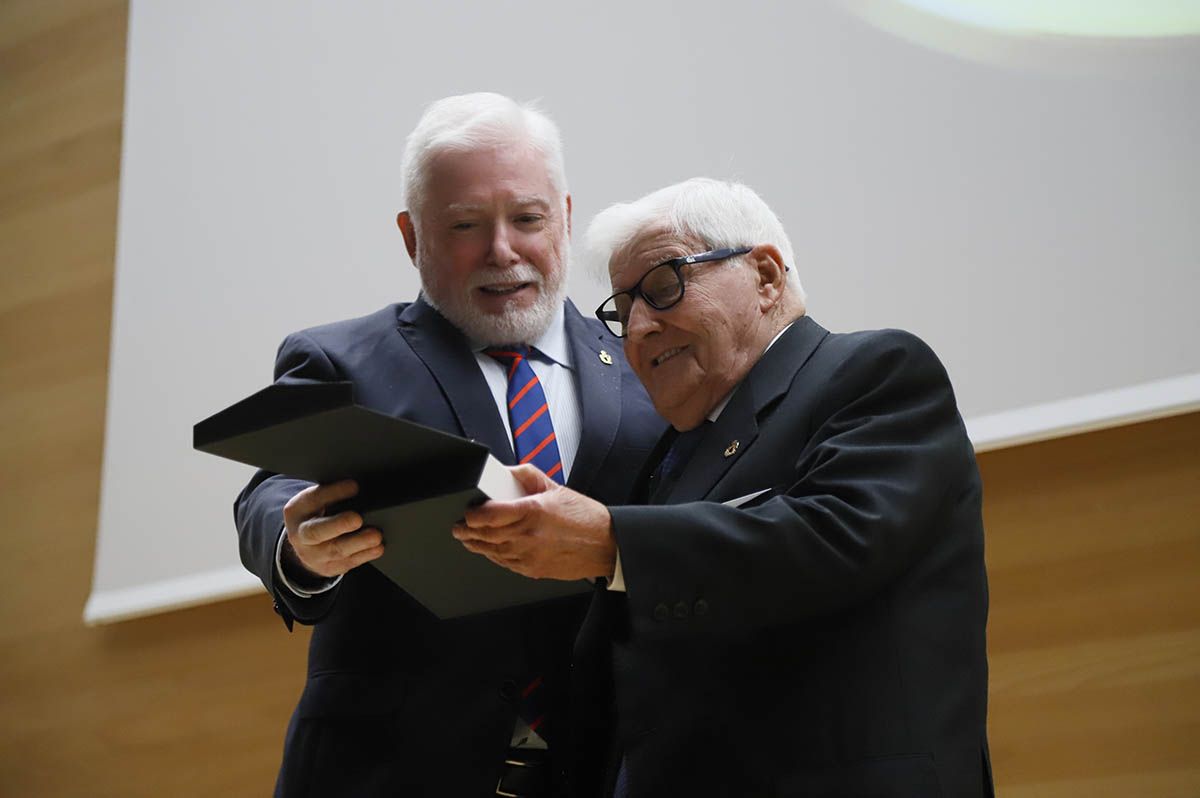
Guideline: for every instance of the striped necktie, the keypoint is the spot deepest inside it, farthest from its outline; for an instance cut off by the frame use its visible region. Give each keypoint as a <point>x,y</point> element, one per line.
<point>528,413</point>
<point>533,442</point>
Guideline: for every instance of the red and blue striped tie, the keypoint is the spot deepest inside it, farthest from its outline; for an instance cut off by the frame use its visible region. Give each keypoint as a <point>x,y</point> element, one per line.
<point>533,442</point>
<point>528,413</point>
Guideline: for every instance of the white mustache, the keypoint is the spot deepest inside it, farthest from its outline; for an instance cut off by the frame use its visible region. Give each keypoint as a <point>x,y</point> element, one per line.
<point>520,273</point>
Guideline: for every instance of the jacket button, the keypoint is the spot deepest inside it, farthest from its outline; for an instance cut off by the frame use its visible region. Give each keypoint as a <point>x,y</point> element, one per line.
<point>681,610</point>
<point>700,607</point>
<point>508,690</point>
<point>661,612</point>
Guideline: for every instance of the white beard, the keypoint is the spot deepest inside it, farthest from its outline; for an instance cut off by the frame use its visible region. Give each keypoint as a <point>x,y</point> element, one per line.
<point>514,325</point>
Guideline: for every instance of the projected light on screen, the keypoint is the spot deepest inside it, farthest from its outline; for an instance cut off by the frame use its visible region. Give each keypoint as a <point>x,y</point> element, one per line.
<point>1083,36</point>
<point>1107,18</point>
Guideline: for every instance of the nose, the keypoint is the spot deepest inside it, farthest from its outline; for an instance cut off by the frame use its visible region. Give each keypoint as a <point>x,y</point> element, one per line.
<point>643,320</point>
<point>501,252</point>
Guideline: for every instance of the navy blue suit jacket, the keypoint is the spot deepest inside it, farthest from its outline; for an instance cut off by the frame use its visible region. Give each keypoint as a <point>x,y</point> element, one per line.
<point>395,701</point>
<point>827,637</point>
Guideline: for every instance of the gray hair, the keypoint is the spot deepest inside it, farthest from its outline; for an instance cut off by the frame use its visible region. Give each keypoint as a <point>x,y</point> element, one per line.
<point>469,122</point>
<point>718,213</point>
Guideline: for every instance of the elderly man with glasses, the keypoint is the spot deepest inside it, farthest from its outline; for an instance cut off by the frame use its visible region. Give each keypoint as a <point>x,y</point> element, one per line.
<point>795,603</point>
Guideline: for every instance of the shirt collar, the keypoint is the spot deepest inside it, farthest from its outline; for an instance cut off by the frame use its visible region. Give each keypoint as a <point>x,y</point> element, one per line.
<point>552,344</point>
<point>716,411</point>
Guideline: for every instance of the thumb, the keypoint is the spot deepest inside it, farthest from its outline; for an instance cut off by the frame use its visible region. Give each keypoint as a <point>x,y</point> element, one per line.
<point>531,479</point>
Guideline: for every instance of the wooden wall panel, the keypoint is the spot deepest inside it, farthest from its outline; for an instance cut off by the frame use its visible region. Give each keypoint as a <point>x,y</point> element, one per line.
<point>1094,637</point>
<point>1093,541</point>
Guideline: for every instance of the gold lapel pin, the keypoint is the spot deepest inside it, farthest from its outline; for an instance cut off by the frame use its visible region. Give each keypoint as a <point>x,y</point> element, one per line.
<point>732,448</point>
<point>605,358</point>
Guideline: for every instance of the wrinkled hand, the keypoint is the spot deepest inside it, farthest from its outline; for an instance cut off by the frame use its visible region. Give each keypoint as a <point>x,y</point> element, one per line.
<point>551,533</point>
<point>328,546</point>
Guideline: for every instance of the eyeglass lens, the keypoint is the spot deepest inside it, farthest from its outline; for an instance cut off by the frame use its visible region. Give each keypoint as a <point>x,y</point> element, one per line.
<point>661,287</point>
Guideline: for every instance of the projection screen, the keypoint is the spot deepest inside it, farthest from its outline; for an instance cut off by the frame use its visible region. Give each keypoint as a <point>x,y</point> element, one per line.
<point>1024,200</point>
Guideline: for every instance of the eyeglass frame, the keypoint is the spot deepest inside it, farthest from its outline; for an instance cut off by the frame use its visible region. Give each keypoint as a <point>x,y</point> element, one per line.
<point>676,264</point>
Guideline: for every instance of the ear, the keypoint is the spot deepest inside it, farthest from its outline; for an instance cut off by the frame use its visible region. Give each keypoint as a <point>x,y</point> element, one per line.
<point>771,272</point>
<point>568,216</point>
<point>405,222</point>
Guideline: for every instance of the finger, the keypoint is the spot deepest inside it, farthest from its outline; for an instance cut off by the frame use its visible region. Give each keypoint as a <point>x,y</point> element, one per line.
<point>364,556</point>
<point>479,547</point>
<point>517,566</point>
<point>316,531</point>
<point>341,554</point>
<point>487,534</point>
<point>313,500</point>
<point>510,561</point>
<point>503,562</point>
<point>498,513</point>
<point>348,546</point>
<point>531,479</point>
<point>338,567</point>
<point>499,553</point>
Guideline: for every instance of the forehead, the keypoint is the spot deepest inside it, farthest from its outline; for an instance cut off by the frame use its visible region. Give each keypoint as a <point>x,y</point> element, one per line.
<point>510,172</point>
<point>647,249</point>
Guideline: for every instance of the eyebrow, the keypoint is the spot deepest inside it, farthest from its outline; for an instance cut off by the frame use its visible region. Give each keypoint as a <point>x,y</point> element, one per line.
<point>534,199</point>
<point>472,207</point>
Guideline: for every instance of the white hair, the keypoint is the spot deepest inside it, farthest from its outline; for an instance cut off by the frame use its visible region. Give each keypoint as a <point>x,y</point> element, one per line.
<point>717,213</point>
<point>469,122</point>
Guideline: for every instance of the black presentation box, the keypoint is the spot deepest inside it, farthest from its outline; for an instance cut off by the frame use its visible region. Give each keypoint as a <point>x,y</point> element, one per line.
<point>414,483</point>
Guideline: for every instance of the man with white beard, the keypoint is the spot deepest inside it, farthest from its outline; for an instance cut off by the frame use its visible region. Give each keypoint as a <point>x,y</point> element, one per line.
<point>397,702</point>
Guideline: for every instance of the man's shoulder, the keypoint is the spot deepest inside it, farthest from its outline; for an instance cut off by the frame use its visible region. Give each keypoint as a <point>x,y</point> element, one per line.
<point>382,320</point>
<point>852,363</point>
<point>875,345</point>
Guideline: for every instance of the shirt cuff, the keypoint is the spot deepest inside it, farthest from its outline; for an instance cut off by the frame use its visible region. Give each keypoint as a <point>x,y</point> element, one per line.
<point>617,583</point>
<point>299,591</point>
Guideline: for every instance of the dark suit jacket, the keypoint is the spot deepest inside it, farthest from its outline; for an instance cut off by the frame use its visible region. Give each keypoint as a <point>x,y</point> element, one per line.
<point>396,702</point>
<point>827,638</point>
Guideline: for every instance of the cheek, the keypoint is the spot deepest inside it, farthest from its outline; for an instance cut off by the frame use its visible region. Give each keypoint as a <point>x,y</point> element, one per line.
<point>633,358</point>
<point>445,252</point>
<point>542,252</point>
<point>704,323</point>
<point>464,257</point>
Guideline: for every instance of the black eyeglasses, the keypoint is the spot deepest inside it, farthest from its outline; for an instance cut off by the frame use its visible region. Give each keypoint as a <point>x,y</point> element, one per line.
<point>661,287</point>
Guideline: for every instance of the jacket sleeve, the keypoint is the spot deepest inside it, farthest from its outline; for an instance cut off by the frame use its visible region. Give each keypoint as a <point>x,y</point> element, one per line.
<point>865,496</point>
<point>258,509</point>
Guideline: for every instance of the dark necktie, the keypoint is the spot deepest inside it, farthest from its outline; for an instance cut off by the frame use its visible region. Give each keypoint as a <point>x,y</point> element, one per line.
<point>673,462</point>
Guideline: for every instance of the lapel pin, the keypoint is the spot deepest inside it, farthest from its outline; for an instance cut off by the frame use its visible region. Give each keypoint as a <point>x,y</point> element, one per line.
<point>732,448</point>
<point>605,357</point>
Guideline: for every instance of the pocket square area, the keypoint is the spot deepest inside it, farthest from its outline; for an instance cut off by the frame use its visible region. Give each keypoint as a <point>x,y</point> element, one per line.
<point>740,500</point>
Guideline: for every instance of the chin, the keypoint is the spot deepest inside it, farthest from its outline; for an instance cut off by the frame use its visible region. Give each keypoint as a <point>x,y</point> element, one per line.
<point>683,413</point>
<point>515,325</point>
<point>674,416</point>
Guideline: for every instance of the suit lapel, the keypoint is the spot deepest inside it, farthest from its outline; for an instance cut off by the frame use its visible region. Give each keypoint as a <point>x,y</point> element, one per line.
<point>449,358</point>
<point>717,449</point>
<point>736,428</point>
<point>599,389</point>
